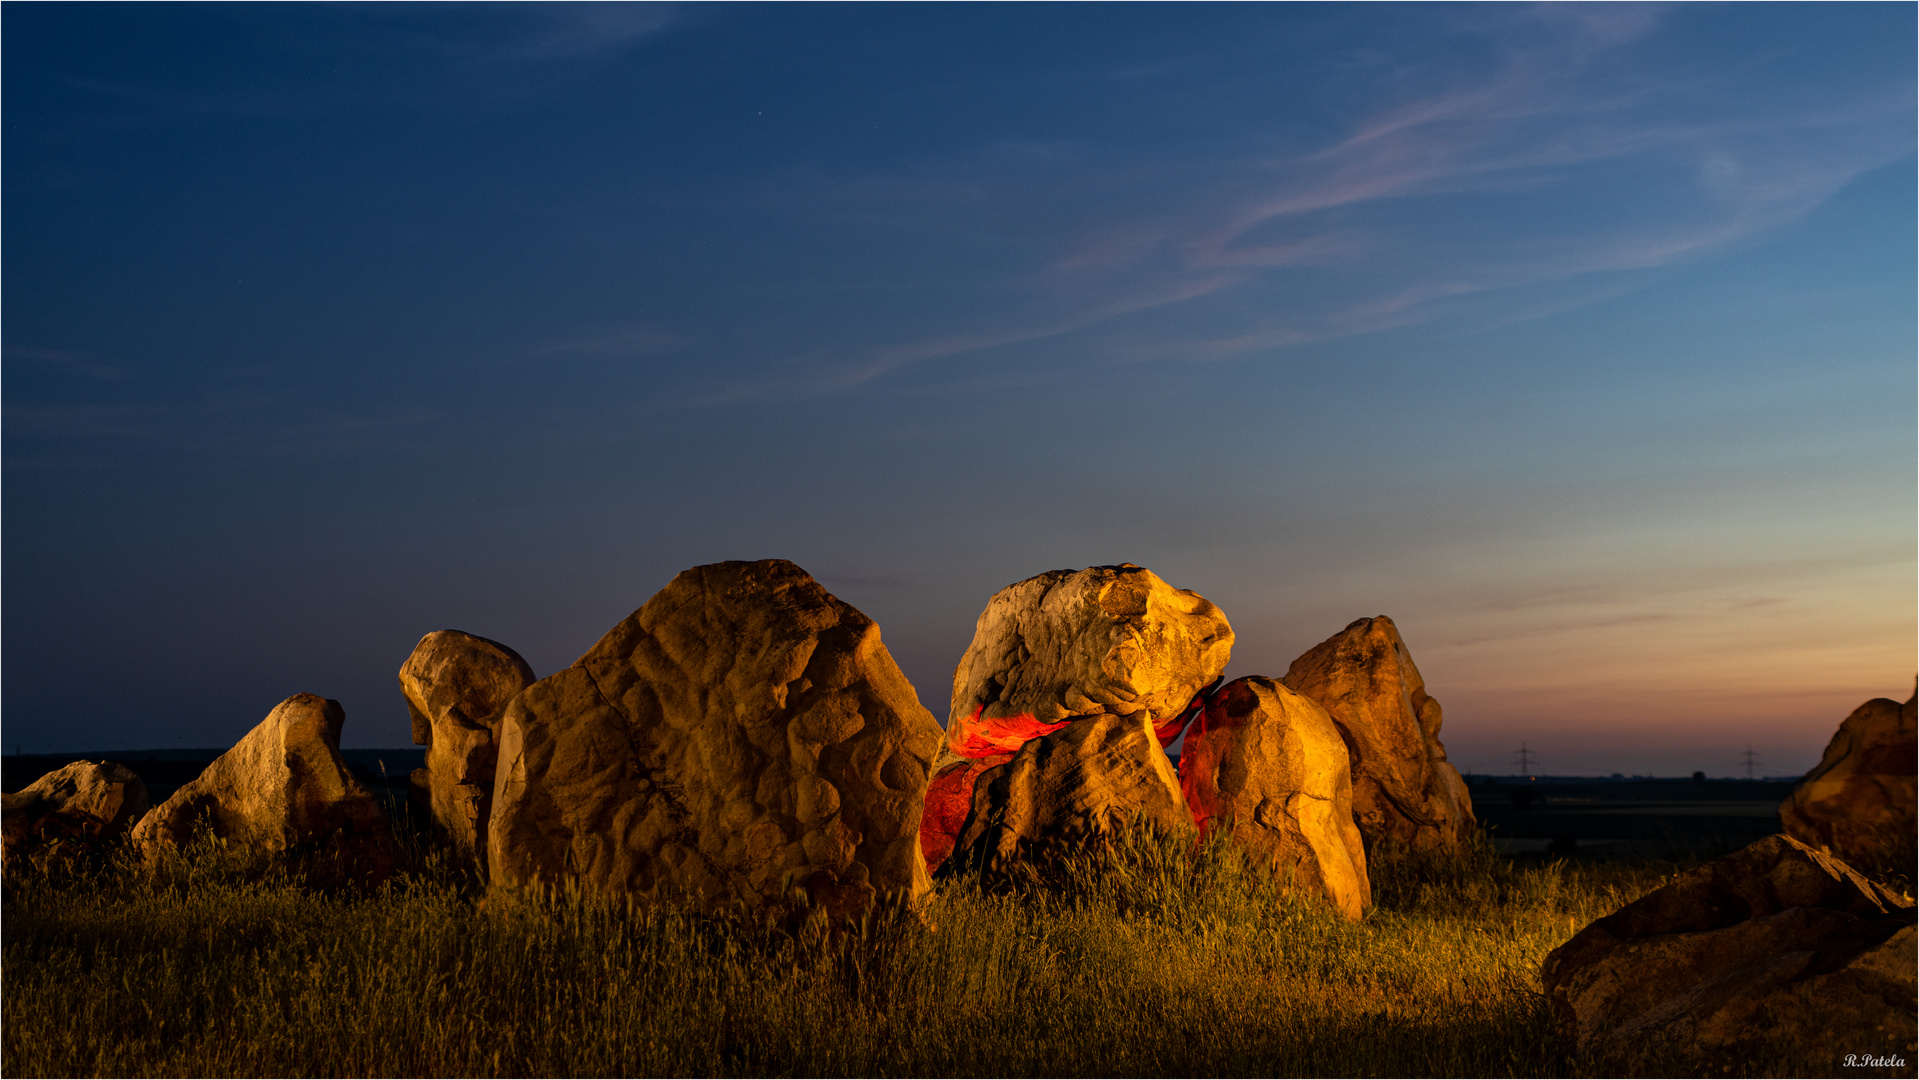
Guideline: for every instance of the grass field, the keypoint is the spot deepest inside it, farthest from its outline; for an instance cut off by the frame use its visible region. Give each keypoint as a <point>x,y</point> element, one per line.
<point>1147,961</point>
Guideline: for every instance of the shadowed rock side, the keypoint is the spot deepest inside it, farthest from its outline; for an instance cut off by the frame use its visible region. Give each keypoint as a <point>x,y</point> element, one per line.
<point>1107,640</point>
<point>76,806</point>
<point>1062,790</point>
<point>284,791</point>
<point>1775,942</point>
<point>1859,800</point>
<point>1268,766</point>
<point>1404,790</point>
<point>742,733</point>
<point>949,799</point>
<point>455,686</point>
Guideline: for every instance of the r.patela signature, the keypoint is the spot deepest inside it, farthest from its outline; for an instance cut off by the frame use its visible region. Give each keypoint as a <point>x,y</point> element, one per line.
<point>1871,1061</point>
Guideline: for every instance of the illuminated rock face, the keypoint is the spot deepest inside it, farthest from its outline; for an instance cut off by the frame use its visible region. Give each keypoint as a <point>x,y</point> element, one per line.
<point>1268,766</point>
<point>1405,792</point>
<point>283,791</point>
<point>1107,640</point>
<point>742,733</point>
<point>77,806</point>
<point>1859,801</point>
<point>455,685</point>
<point>1773,942</point>
<point>1062,790</point>
<point>949,799</point>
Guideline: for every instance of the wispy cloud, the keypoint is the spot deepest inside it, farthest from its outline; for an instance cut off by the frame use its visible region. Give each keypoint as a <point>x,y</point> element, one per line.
<point>1586,163</point>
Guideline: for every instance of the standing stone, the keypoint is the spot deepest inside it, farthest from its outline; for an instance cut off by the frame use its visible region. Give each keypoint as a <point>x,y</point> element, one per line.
<point>1066,789</point>
<point>743,733</point>
<point>1772,950</point>
<point>1107,640</point>
<point>77,806</point>
<point>455,686</point>
<point>1859,800</point>
<point>1405,792</point>
<point>284,793</point>
<point>1268,766</point>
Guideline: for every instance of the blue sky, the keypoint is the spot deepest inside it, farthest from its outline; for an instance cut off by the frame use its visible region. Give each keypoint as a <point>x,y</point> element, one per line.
<point>1580,340</point>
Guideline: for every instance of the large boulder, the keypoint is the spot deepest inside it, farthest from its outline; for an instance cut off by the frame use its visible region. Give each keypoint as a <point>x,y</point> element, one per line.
<point>283,793</point>
<point>1107,640</point>
<point>1062,791</point>
<point>74,808</point>
<point>1267,766</point>
<point>1773,950</point>
<point>1858,801</point>
<point>455,685</point>
<point>1405,792</point>
<point>743,733</point>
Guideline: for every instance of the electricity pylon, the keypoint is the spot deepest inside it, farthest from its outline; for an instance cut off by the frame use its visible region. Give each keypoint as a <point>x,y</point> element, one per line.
<point>1750,760</point>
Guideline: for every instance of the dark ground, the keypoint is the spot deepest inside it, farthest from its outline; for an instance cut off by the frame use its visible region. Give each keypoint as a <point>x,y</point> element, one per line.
<point>1664,818</point>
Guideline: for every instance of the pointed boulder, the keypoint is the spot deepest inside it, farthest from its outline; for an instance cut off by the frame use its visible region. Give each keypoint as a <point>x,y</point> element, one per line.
<point>1405,792</point>
<point>1267,765</point>
<point>742,733</point>
<point>284,793</point>
<point>1107,640</point>
<point>455,685</point>
<point>1859,800</point>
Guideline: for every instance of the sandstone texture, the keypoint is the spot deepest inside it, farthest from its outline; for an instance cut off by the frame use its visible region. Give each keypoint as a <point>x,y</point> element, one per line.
<point>455,685</point>
<point>1107,640</point>
<point>1858,802</point>
<point>283,792</point>
<point>73,808</point>
<point>1066,789</point>
<point>742,734</point>
<point>1773,948</point>
<point>1405,792</point>
<point>1266,765</point>
<point>949,800</point>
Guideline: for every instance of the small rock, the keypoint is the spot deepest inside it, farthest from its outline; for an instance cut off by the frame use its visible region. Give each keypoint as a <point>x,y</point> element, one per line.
<point>1107,640</point>
<point>77,807</point>
<point>1064,790</point>
<point>455,685</point>
<point>1858,802</point>
<point>1776,945</point>
<point>742,733</point>
<point>1405,792</point>
<point>283,793</point>
<point>1267,765</point>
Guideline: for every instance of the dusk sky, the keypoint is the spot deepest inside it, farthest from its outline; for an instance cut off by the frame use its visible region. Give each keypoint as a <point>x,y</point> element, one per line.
<point>1579,340</point>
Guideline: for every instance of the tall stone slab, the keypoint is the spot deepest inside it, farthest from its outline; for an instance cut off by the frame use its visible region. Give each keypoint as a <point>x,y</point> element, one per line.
<point>1405,792</point>
<point>1267,766</point>
<point>1858,802</point>
<point>743,733</point>
<point>455,685</point>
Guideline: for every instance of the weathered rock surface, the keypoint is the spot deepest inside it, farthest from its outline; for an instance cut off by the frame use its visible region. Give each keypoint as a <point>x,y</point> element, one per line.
<point>455,685</point>
<point>1858,802</point>
<point>76,806</point>
<point>1405,792</point>
<point>949,799</point>
<point>1774,945</point>
<point>1064,790</point>
<point>743,730</point>
<point>1266,765</point>
<point>284,792</point>
<point>1107,640</point>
